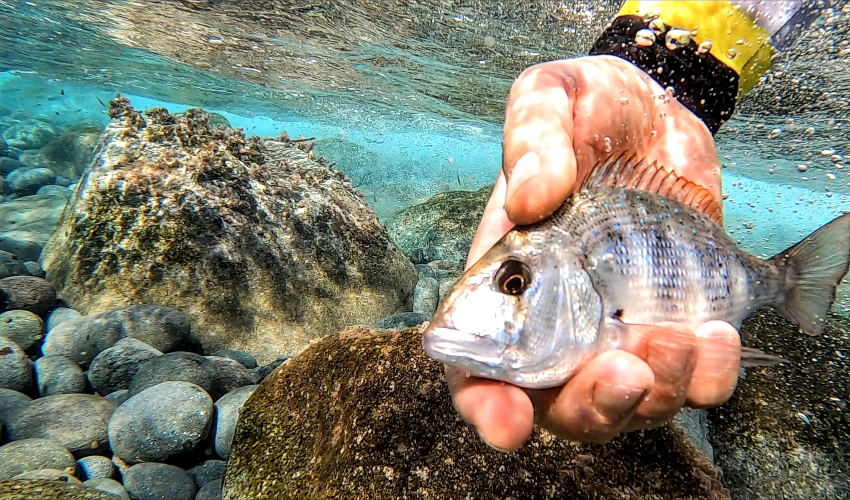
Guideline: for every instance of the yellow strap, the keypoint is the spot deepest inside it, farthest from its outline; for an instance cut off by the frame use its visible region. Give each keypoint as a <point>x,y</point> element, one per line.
<point>735,38</point>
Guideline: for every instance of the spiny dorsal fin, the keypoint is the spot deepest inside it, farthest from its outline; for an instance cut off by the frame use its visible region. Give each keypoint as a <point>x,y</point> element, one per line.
<point>632,173</point>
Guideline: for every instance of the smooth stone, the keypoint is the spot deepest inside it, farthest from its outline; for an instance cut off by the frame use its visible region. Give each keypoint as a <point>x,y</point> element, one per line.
<point>243,358</point>
<point>4,188</point>
<point>155,481</point>
<point>34,269</point>
<point>262,372</point>
<point>49,490</point>
<point>401,320</point>
<point>207,471</point>
<point>24,328</point>
<point>108,485</point>
<point>29,222</point>
<point>58,375</point>
<point>30,134</point>
<point>175,366</point>
<point>114,368</point>
<point>64,182</point>
<point>95,467</point>
<point>11,265</point>
<point>160,422</point>
<point>24,249</point>
<point>118,396</point>
<point>15,367</point>
<point>210,491</point>
<point>425,271</point>
<point>29,182</point>
<point>8,165</point>
<point>28,293</point>
<point>54,190</point>
<point>226,414</point>
<point>228,375</point>
<point>48,475</point>
<point>77,421</point>
<point>10,402</point>
<point>14,174</point>
<point>426,296</point>
<point>60,315</point>
<point>27,455</point>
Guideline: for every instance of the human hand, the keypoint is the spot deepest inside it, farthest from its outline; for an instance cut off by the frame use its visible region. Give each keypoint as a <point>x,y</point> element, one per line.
<point>562,118</point>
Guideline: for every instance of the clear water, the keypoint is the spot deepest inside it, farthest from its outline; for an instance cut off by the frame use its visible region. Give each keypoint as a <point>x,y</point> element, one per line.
<point>419,87</point>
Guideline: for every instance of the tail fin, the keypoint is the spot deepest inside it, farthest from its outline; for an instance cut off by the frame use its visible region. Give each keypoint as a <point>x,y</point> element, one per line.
<point>815,267</point>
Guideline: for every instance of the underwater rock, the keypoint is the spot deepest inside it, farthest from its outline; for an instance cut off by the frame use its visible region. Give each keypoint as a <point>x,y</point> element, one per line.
<point>207,471</point>
<point>59,315</point>
<point>210,491</point>
<point>401,320</point>
<point>95,466</point>
<point>77,421</point>
<point>49,475</point>
<point>261,246</point>
<point>20,249</point>
<point>34,269</point>
<point>27,293</point>
<point>118,396</point>
<point>31,454</point>
<point>10,402</point>
<point>27,223</point>
<point>440,228</point>
<point>108,485</point>
<point>70,153</point>
<point>177,366</point>
<point>154,480</point>
<point>9,165</point>
<point>49,490</point>
<point>114,368</point>
<point>243,358</point>
<point>784,432</point>
<point>161,422</point>
<point>426,296</point>
<point>54,190</point>
<point>22,327</point>
<point>226,413</point>
<point>30,134</point>
<point>366,414</point>
<point>29,182</point>
<point>11,265</point>
<point>15,367</point>
<point>58,375</point>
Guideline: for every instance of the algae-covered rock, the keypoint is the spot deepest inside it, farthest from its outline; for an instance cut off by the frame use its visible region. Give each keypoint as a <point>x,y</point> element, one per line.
<point>440,228</point>
<point>41,489</point>
<point>785,432</point>
<point>70,153</point>
<point>366,414</point>
<point>260,244</point>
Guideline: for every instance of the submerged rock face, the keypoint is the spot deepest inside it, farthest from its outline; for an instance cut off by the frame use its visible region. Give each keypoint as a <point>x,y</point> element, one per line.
<point>262,246</point>
<point>365,414</point>
<point>785,431</point>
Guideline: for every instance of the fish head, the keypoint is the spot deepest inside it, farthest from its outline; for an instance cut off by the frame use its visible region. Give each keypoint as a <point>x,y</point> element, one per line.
<point>510,316</point>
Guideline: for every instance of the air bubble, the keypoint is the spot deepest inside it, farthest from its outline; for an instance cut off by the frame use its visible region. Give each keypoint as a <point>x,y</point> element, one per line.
<point>645,37</point>
<point>623,100</point>
<point>802,168</point>
<point>676,39</point>
<point>830,176</point>
<point>773,134</point>
<point>731,53</point>
<point>657,26</point>
<point>705,47</point>
<point>651,14</point>
<point>608,147</point>
<point>810,131</point>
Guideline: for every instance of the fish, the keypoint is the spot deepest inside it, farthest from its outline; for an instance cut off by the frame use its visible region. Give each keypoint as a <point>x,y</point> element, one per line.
<point>611,262</point>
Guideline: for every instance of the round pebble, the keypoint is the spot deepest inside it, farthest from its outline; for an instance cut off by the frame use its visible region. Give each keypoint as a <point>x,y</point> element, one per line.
<point>174,366</point>
<point>34,268</point>
<point>83,338</point>
<point>11,265</point>
<point>262,372</point>
<point>425,271</point>
<point>114,368</point>
<point>95,467</point>
<point>149,481</point>
<point>226,413</point>
<point>28,293</point>
<point>9,165</point>
<point>243,358</point>
<point>118,396</point>
<point>401,320</point>
<point>27,455</point>
<point>23,249</point>
<point>210,491</point>
<point>22,327</point>
<point>54,190</point>
<point>48,475</point>
<point>110,486</point>
<point>58,375</point>
<point>164,328</point>
<point>207,471</point>
<point>10,402</point>
<point>426,296</point>
<point>228,375</point>
<point>160,422</point>
<point>77,421</point>
<point>59,315</point>
<point>28,182</point>
<point>15,367</point>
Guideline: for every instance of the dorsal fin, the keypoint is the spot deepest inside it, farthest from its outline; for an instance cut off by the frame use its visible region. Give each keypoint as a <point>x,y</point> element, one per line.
<point>632,173</point>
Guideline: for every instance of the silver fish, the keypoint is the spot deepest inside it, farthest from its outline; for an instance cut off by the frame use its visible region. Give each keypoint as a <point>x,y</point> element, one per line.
<point>549,296</point>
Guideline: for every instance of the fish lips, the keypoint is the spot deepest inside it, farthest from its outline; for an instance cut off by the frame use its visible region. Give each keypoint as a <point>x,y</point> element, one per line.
<point>455,347</point>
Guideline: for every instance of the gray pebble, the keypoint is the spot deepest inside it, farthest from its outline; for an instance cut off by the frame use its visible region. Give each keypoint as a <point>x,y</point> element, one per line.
<point>243,358</point>
<point>161,422</point>
<point>10,402</point>
<point>118,396</point>
<point>174,366</point>
<point>226,413</point>
<point>27,455</point>
<point>163,328</point>
<point>30,181</point>
<point>154,481</point>
<point>15,367</point>
<point>426,296</point>
<point>28,293</point>
<point>210,491</point>
<point>77,421</point>
<point>22,327</point>
<point>9,165</point>
<point>107,485</point>
<point>59,315</point>
<point>54,190</point>
<point>23,249</point>
<point>261,372</point>
<point>4,188</point>
<point>58,375</point>
<point>34,268</point>
<point>63,181</point>
<point>401,320</point>
<point>228,375</point>
<point>11,265</point>
<point>114,368</point>
<point>425,271</point>
<point>95,467</point>
<point>48,475</point>
<point>208,471</point>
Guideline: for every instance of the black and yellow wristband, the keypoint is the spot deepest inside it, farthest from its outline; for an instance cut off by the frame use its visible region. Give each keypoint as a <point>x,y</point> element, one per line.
<point>710,53</point>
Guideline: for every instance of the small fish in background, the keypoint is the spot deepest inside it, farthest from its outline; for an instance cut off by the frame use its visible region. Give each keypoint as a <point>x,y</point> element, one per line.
<point>611,261</point>
<point>61,91</point>
<point>101,102</point>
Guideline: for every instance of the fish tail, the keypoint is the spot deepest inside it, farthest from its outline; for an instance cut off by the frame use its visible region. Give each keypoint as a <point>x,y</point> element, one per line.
<point>815,266</point>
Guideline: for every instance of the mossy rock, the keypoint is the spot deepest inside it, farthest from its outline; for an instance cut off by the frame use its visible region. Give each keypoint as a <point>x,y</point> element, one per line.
<point>365,414</point>
<point>49,490</point>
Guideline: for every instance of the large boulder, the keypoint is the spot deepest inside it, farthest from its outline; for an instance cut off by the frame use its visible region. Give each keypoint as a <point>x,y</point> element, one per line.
<point>365,414</point>
<point>784,433</point>
<point>259,243</point>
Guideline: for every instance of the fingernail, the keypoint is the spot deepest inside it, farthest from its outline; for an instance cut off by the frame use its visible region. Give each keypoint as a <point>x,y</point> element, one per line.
<point>528,166</point>
<point>488,443</point>
<point>615,401</point>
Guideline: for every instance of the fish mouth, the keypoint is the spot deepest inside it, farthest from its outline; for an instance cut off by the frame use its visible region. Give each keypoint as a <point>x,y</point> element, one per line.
<point>453,346</point>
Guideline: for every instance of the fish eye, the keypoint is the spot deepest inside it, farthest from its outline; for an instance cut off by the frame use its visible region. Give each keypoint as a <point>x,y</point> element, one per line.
<point>513,277</point>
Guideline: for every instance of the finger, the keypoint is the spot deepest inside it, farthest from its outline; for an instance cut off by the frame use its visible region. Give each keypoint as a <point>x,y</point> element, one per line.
<point>494,223</point>
<point>670,351</point>
<point>598,401</point>
<point>501,413</point>
<point>718,364</point>
<point>538,158</point>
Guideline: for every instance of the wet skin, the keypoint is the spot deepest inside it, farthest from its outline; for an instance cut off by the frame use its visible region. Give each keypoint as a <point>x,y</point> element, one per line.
<point>562,117</point>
